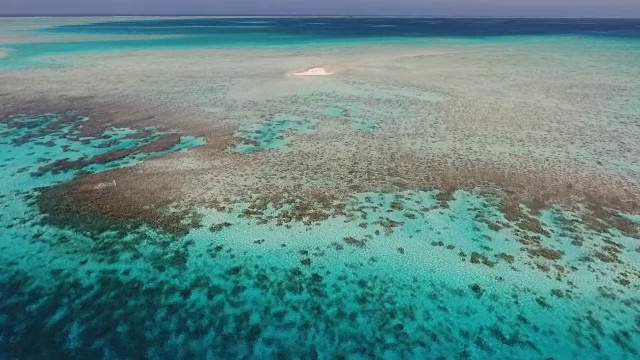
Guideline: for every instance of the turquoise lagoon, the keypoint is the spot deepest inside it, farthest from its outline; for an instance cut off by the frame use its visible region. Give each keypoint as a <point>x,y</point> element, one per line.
<point>272,133</point>
<point>221,32</point>
<point>402,276</point>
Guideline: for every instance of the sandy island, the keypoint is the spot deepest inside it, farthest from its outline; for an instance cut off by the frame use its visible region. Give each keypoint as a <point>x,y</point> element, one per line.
<point>316,71</point>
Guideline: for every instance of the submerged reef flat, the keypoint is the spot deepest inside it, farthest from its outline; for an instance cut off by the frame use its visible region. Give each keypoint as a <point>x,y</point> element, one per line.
<point>460,198</point>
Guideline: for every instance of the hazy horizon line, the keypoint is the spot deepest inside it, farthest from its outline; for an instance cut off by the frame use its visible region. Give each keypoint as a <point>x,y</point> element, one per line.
<point>320,16</point>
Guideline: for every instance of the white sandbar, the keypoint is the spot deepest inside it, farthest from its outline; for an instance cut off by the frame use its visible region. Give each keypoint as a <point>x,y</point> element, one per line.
<point>316,71</point>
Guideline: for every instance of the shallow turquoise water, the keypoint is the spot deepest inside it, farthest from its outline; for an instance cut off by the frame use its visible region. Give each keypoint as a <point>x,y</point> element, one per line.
<point>190,33</point>
<point>271,134</point>
<point>356,114</point>
<point>402,276</point>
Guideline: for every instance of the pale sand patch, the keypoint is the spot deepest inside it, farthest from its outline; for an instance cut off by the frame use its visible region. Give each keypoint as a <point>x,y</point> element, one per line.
<point>4,52</point>
<point>316,71</point>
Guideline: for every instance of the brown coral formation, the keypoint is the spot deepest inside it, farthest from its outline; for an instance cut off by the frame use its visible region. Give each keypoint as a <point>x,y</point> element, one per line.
<point>263,179</point>
<point>163,143</point>
<point>532,143</point>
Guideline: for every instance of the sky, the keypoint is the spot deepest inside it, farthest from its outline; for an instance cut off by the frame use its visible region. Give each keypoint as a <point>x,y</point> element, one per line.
<point>524,8</point>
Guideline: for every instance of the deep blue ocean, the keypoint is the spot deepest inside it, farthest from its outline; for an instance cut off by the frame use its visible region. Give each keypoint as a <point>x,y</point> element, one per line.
<point>349,27</point>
